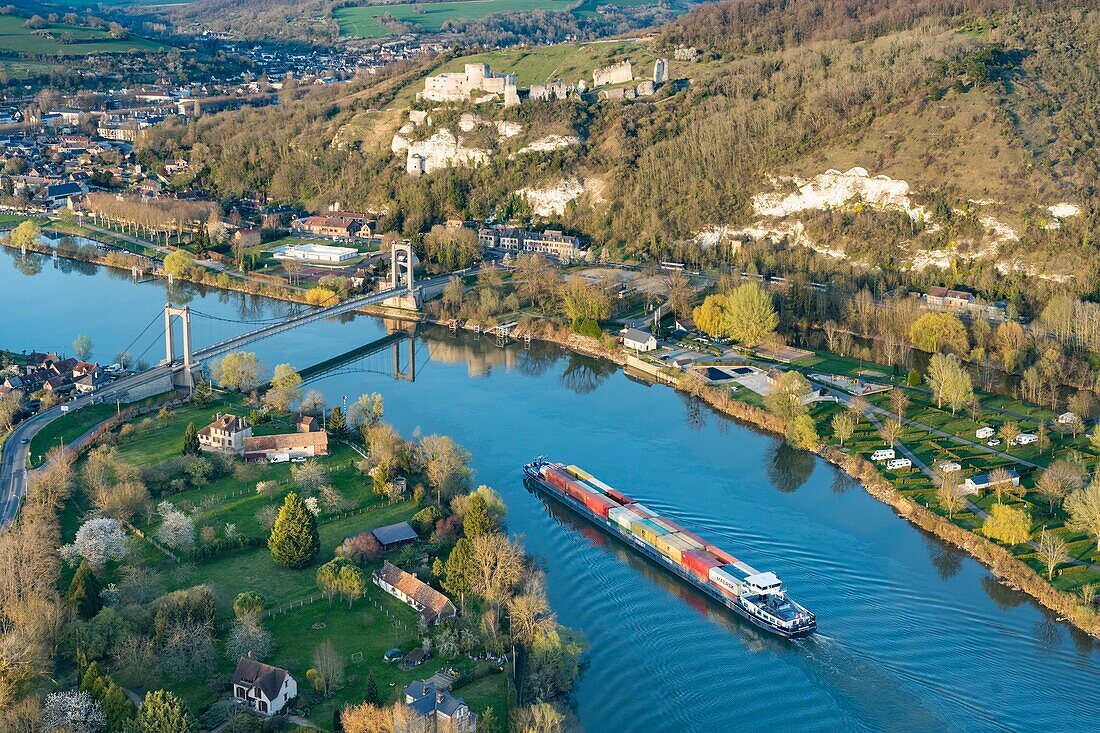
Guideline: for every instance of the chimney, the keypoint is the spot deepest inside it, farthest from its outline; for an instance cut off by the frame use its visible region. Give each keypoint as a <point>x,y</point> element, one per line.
<point>439,697</point>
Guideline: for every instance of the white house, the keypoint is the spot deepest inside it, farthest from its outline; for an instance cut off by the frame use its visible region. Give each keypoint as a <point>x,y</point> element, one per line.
<point>432,605</point>
<point>983,481</point>
<point>983,433</point>
<point>226,434</point>
<point>263,688</point>
<point>638,340</point>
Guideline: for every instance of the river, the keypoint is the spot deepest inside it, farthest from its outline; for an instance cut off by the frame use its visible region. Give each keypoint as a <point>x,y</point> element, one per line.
<point>914,636</point>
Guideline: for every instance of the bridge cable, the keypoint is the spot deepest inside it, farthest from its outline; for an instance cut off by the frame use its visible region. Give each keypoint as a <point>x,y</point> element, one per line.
<point>131,344</point>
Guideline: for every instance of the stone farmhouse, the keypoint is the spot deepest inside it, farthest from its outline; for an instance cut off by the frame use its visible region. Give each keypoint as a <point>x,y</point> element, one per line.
<point>433,606</point>
<point>565,247</point>
<point>225,435</point>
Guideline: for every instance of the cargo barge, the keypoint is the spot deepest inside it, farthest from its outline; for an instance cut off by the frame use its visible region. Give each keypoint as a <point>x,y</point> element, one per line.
<point>756,596</point>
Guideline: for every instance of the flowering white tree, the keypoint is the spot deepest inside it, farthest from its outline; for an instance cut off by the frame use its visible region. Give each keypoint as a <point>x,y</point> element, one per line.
<point>312,505</point>
<point>176,530</point>
<point>72,712</point>
<point>97,541</point>
<point>248,637</point>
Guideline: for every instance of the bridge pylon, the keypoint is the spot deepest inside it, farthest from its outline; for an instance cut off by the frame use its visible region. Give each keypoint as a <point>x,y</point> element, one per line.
<point>401,272</point>
<point>184,378</point>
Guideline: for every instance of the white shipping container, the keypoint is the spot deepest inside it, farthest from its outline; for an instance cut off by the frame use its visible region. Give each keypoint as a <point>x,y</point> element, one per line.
<point>599,484</point>
<point>725,581</point>
<point>643,511</point>
<point>623,517</point>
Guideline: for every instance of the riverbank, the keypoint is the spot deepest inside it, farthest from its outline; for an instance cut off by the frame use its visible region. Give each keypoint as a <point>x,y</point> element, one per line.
<point>1008,569</point>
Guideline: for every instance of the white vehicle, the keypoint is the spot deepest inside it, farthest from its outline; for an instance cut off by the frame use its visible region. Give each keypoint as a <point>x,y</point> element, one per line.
<point>298,459</point>
<point>278,458</point>
<point>983,433</point>
<point>882,454</point>
<point>994,442</point>
<point>1025,439</point>
<point>898,463</point>
<point>950,467</point>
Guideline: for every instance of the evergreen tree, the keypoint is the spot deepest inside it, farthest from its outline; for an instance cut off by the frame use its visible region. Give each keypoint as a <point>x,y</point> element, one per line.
<point>293,541</point>
<point>337,425</point>
<point>476,521</point>
<point>83,592</point>
<point>163,712</point>
<point>190,440</point>
<point>373,696</point>
<point>204,391</point>
<point>116,706</point>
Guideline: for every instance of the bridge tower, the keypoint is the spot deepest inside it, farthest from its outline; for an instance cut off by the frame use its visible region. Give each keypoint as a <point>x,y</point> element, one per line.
<point>184,378</point>
<point>401,273</point>
<point>409,373</point>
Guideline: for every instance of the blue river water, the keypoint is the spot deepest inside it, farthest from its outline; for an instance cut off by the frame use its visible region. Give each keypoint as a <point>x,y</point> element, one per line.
<point>914,636</point>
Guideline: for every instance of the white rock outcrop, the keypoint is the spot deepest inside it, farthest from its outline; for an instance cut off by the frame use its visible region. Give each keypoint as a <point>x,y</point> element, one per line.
<point>833,189</point>
<point>508,129</point>
<point>441,150</point>
<point>1064,210</point>
<point>549,143</point>
<point>552,200</point>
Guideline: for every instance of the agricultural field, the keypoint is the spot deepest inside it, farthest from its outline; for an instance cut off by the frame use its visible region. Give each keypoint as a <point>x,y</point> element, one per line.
<point>18,40</point>
<point>362,21</point>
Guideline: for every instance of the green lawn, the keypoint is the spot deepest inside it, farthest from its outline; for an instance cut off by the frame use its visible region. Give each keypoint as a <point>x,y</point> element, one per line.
<point>362,21</point>
<point>17,39</point>
<point>67,428</point>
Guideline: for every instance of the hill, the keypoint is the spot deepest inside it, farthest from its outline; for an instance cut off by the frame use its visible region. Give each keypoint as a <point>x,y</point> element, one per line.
<point>65,39</point>
<point>945,139</point>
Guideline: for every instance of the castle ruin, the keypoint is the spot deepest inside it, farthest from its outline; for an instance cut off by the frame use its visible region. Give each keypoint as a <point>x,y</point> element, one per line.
<point>456,86</point>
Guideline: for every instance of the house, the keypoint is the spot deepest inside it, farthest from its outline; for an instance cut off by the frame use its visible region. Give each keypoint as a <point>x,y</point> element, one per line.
<point>939,297</point>
<point>686,325</point>
<point>335,227</point>
<point>638,340</point>
<point>290,445</point>
<point>550,242</point>
<point>307,424</point>
<point>394,535</point>
<point>263,688</point>
<point>432,605</point>
<point>247,237</point>
<point>983,481</point>
<point>433,710</point>
<point>227,434</point>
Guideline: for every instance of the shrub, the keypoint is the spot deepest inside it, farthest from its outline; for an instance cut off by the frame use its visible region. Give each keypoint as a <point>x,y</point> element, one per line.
<point>360,549</point>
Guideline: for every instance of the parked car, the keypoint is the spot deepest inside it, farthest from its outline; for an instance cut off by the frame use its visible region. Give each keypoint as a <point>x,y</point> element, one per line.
<point>994,442</point>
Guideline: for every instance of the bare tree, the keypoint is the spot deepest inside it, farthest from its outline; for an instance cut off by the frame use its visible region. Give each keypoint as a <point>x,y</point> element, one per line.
<point>891,430</point>
<point>328,666</point>
<point>1052,550</point>
<point>899,401</point>
<point>844,425</point>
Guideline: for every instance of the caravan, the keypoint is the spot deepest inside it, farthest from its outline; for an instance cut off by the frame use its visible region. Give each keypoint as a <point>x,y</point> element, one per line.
<point>882,454</point>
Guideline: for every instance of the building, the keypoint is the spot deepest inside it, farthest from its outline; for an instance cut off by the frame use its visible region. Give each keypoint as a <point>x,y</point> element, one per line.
<point>226,434</point>
<point>457,86</point>
<point>619,73</point>
<point>957,300</point>
<point>319,253</point>
<point>432,710</point>
<point>984,481</point>
<point>432,605</point>
<point>247,237</point>
<point>394,535</point>
<point>331,227</point>
<point>263,688</point>
<point>285,446</point>
<point>550,242</point>
<point>639,340</point>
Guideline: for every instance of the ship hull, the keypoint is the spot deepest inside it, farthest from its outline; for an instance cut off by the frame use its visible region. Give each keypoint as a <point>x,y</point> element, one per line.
<point>534,482</point>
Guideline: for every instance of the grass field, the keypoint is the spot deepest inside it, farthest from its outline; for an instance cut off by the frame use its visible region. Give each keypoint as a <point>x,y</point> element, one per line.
<point>363,21</point>
<point>16,39</point>
<point>567,61</point>
<point>68,428</point>
<point>375,622</point>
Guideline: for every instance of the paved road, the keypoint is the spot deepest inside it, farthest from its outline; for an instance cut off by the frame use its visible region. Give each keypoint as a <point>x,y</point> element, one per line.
<point>13,460</point>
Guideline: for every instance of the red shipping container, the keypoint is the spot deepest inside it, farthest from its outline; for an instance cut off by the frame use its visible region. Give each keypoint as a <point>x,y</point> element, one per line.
<point>699,562</point>
<point>718,552</point>
<point>598,504</point>
<point>620,497</point>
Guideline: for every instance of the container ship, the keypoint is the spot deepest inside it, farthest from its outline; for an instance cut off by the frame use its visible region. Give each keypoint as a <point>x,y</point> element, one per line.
<point>757,596</point>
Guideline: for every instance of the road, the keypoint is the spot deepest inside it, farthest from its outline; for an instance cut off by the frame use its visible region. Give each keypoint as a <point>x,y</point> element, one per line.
<point>13,461</point>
